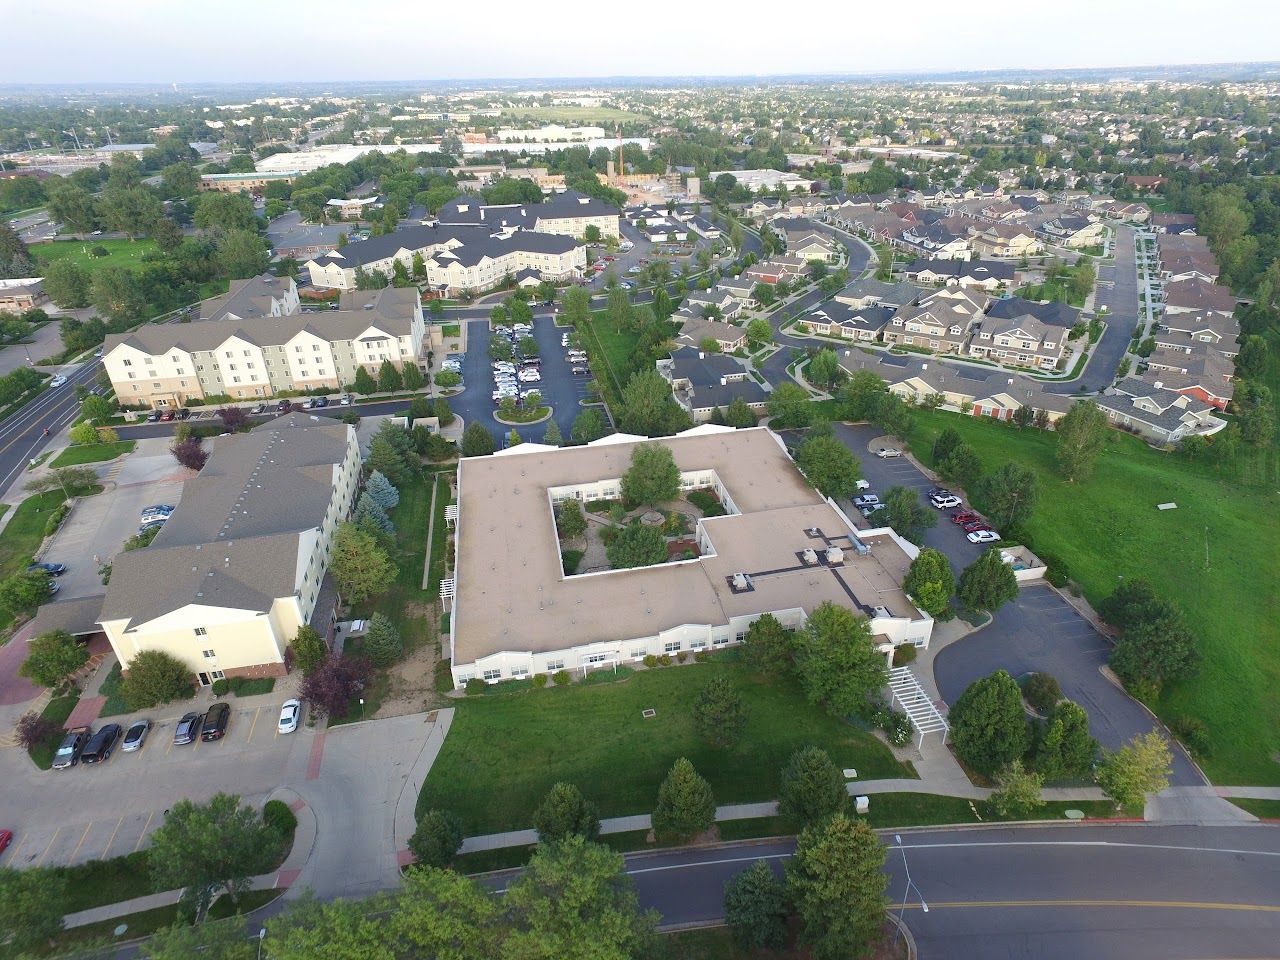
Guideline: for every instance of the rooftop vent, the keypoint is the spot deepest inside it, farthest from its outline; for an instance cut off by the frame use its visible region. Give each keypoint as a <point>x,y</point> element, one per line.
<point>740,583</point>
<point>881,611</point>
<point>835,556</point>
<point>809,558</point>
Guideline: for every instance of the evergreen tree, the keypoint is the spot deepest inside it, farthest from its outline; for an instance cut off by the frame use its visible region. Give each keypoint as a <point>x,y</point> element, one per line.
<point>987,583</point>
<point>989,728</point>
<point>836,883</point>
<point>477,441</point>
<point>553,436</point>
<point>755,908</point>
<point>1066,750</point>
<point>739,414</point>
<point>719,714</point>
<point>565,812</point>
<point>686,806</point>
<point>364,382</point>
<point>389,378</point>
<point>443,412</point>
<point>384,458</point>
<point>812,787</point>
<point>382,643</point>
<point>382,490</point>
<point>370,516</point>
<point>412,377</point>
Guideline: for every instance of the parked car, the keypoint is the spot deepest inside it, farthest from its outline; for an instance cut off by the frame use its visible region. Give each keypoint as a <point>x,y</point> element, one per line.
<point>100,745</point>
<point>866,500</point>
<point>57,381</point>
<point>153,416</point>
<point>983,536</point>
<point>68,752</point>
<point>187,730</point>
<point>886,453</point>
<point>52,569</point>
<point>579,371</point>
<point>259,409</point>
<point>871,508</point>
<point>945,503</point>
<point>54,587</point>
<point>863,485</point>
<point>136,736</point>
<point>215,722</point>
<point>974,525</point>
<point>284,406</point>
<point>346,400</point>
<point>167,415</point>
<point>184,413</point>
<point>964,516</point>
<point>290,713</point>
<point>937,492</point>
<point>6,838</point>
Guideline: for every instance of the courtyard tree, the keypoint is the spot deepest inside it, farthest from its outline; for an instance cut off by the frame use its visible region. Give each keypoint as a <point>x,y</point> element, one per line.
<point>309,648</point>
<point>989,728</point>
<point>571,523</point>
<point>813,788</point>
<point>1081,434</point>
<point>360,566</point>
<point>686,807</point>
<point>565,812</point>
<point>829,465</point>
<point>477,440</point>
<point>837,661</point>
<point>652,478</point>
<point>836,883</point>
<point>52,657</point>
<point>636,545</point>
<point>1010,495</point>
<point>904,512</point>
<point>437,838</point>
<point>155,677</point>
<point>930,582</point>
<point>1136,770</point>
<point>755,908</point>
<point>987,583</point>
<point>719,713</point>
<point>768,645</point>
<point>1065,750</point>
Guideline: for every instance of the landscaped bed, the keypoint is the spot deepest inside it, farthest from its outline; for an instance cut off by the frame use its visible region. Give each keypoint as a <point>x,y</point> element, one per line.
<point>504,752</point>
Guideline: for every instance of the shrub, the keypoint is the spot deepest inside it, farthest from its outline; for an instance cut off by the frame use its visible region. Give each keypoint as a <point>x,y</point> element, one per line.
<point>681,656</point>
<point>539,680</point>
<point>277,815</point>
<point>221,687</point>
<point>154,678</point>
<point>569,560</point>
<point>561,678</point>
<point>476,686</point>
<point>897,728</point>
<point>650,661</point>
<point>1042,691</point>
<point>665,660</point>
<point>1056,571</point>
<point>702,656</point>
<point>1193,734</point>
<point>707,502</point>
<point>437,838</point>
<point>33,730</point>
<point>904,653</point>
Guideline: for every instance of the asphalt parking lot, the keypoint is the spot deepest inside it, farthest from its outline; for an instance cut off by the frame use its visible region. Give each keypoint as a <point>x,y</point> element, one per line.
<point>250,760</point>
<point>560,388</point>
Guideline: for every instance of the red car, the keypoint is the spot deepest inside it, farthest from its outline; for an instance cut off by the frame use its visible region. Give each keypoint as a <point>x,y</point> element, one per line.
<point>6,836</point>
<point>964,517</point>
<point>975,526</point>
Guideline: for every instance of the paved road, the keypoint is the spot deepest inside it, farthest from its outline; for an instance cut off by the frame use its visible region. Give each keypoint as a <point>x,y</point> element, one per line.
<point>22,435</point>
<point>1039,631</point>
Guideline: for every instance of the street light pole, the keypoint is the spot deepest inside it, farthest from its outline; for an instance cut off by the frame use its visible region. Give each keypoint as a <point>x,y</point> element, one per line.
<point>897,838</point>
<point>262,935</point>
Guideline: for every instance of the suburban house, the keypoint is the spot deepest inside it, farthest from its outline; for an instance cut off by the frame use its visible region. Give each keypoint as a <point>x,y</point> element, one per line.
<point>936,242</point>
<point>870,292</point>
<point>776,268</point>
<point>1174,223</point>
<point>1053,313</point>
<point>19,296</point>
<point>252,299</point>
<point>704,382</point>
<point>1023,341</point>
<point>741,289</point>
<point>1203,373</point>
<point>697,330</point>
<point>165,365</point>
<point>837,319</point>
<point>1195,294</point>
<point>569,213</point>
<point>781,548</point>
<point>724,301</point>
<point>1074,232</point>
<point>940,323</point>
<point>1184,331</point>
<point>805,240</point>
<point>1006,240</point>
<point>1157,413</point>
<point>240,564</point>
<point>988,275</point>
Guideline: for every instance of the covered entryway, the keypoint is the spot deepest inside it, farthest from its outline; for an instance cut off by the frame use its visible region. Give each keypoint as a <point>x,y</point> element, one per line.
<point>921,711</point>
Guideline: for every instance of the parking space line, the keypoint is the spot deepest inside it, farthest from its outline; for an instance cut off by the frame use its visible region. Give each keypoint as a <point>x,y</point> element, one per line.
<point>56,831</point>
<point>137,846</point>
<point>13,853</point>
<point>107,848</point>
<point>253,723</point>
<point>84,836</point>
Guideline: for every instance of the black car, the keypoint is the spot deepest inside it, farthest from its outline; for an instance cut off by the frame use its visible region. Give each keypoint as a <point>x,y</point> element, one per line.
<point>284,406</point>
<point>72,746</point>
<point>184,413</point>
<point>52,569</point>
<point>153,416</point>
<point>187,730</point>
<point>215,722</point>
<point>102,743</point>
<point>321,402</point>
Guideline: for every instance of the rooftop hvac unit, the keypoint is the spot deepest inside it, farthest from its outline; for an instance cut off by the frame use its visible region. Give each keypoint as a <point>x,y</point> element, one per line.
<point>864,549</point>
<point>835,555</point>
<point>809,558</point>
<point>881,611</point>
<point>741,581</point>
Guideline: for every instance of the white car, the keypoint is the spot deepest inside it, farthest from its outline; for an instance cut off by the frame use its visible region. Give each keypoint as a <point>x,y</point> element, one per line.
<point>866,500</point>
<point>983,536</point>
<point>57,381</point>
<point>863,485</point>
<point>885,453</point>
<point>945,503</point>
<point>290,713</point>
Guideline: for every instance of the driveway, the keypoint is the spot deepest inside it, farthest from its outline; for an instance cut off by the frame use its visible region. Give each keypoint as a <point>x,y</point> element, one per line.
<point>1040,631</point>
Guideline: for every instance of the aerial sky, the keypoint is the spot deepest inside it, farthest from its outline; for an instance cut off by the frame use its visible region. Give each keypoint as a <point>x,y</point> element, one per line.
<point>192,41</point>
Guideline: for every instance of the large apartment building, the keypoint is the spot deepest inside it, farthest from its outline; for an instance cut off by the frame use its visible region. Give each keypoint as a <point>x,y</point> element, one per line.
<point>241,563</point>
<point>568,213</point>
<point>261,344</point>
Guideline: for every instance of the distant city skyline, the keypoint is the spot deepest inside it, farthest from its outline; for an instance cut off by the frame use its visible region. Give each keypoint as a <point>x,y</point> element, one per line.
<point>149,41</point>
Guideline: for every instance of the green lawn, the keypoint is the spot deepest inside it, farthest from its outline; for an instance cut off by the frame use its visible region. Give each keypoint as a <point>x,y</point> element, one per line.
<point>610,348</point>
<point>1108,527</point>
<point>23,534</point>
<point>93,453</point>
<point>122,253</point>
<point>1051,290</point>
<point>1264,809</point>
<point>505,751</point>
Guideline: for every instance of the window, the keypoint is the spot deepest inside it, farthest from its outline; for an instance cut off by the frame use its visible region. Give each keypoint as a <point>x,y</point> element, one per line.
<point>519,671</point>
<point>247,353</point>
<point>150,360</point>
<point>200,631</point>
<point>671,646</point>
<point>229,354</point>
<point>698,644</point>
<point>128,363</point>
<point>133,376</point>
<point>554,666</point>
<point>594,658</point>
<point>721,641</point>
<point>208,654</point>
<point>491,675</point>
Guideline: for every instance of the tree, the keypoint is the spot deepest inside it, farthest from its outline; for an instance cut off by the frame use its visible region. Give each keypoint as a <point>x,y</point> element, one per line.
<point>860,395</point>
<point>32,902</point>
<point>763,294</point>
<point>648,409</point>
<point>575,902</point>
<point>719,714</point>
<point>988,724</point>
<point>1017,792</point>
<point>208,848</point>
<point>330,687</point>
<point>116,293</point>
<point>412,378</point>
<point>52,657</point>
<point>836,883</point>
<point>837,661</point>
<point>962,466</point>
<point>571,523</point>
<point>636,545</point>
<point>1065,750</point>
<point>443,412</point>
<point>382,490</point>
<point>167,234</point>
<point>240,253</point>
<point>72,481</point>
<point>360,566</point>
<point>364,383</point>
<point>987,583</point>
<point>930,582</point>
<point>155,677</point>
<point>21,592</point>
<point>904,512</point>
<point>1081,435</point>
<point>437,838</point>
<point>209,941</point>
<point>1010,495</point>
<point>588,425</point>
<point>565,812</point>
<point>1156,649</point>
<point>32,730</point>
<point>813,788</point>
<point>382,643</point>
<point>759,333</point>
<point>372,519</point>
<point>440,914</point>
<point>448,379</point>
<point>83,433</point>
<point>130,211</point>
<point>311,930</point>
<point>767,646</point>
<point>739,415</point>
<point>824,368</point>
<point>477,441</point>
<point>755,908</point>
<point>75,208</point>
<point>189,453</point>
<point>1140,768</point>
<point>686,806</point>
<point>97,408</point>
<point>653,476</point>
<point>389,378</point>
<point>234,419</point>
<point>829,465</point>
<point>386,459</point>
<point>947,441</point>
<point>309,649</point>
<point>553,436</point>
<point>225,211</point>
<point>788,407</point>
<point>67,284</point>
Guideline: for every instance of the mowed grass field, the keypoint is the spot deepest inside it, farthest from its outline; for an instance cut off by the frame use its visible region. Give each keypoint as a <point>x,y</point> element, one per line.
<point>504,751</point>
<point>1217,555</point>
<point>122,253</point>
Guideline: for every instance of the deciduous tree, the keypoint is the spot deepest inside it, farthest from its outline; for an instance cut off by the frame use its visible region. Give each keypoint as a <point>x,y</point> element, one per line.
<point>1010,495</point>
<point>829,465</point>
<point>788,407</point>
<point>1017,792</point>
<point>987,583</point>
<point>330,687</point>
<point>52,657</point>
<point>1081,434</point>
<point>570,521</point>
<point>155,677</point>
<point>930,582</point>
<point>837,661</point>
<point>588,425</point>
<point>1140,768</point>
<point>989,728</point>
<point>636,545</point>
<point>652,478</point>
<point>32,902</point>
<point>309,649</point>
<point>904,512</point>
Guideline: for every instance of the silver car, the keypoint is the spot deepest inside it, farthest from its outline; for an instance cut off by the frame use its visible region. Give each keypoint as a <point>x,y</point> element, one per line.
<point>135,736</point>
